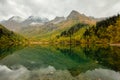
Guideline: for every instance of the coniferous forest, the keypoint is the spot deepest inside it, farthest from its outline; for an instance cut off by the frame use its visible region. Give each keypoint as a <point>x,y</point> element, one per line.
<point>104,32</point>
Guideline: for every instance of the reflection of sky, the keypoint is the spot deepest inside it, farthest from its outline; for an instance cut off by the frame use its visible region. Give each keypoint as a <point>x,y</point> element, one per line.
<point>103,74</point>
<point>22,73</point>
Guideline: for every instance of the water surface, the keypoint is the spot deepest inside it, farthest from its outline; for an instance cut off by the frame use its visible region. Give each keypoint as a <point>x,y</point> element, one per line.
<point>60,62</point>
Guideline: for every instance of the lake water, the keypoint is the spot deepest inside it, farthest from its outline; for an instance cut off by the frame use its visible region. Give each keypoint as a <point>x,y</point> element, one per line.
<point>60,62</point>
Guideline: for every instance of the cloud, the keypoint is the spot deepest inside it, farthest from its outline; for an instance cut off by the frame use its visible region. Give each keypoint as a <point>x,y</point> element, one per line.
<point>3,2</point>
<point>52,8</point>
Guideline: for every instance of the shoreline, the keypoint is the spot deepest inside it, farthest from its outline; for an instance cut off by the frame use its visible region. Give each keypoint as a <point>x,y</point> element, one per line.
<point>42,42</point>
<point>117,44</point>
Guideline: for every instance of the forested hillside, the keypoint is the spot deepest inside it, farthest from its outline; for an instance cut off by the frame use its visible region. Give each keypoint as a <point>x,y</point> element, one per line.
<point>72,35</point>
<point>9,37</point>
<point>105,31</point>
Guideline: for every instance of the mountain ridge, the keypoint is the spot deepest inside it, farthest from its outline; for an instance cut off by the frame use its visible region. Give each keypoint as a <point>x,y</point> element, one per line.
<point>35,26</point>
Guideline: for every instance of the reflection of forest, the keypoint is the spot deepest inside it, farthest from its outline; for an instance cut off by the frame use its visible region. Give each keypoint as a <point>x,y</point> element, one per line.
<point>9,49</point>
<point>104,55</point>
<point>77,54</point>
<point>77,59</point>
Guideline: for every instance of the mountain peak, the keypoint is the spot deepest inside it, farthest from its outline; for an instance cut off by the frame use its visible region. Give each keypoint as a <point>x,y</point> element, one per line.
<point>74,12</point>
<point>33,20</point>
<point>74,15</point>
<point>16,18</point>
<point>37,19</point>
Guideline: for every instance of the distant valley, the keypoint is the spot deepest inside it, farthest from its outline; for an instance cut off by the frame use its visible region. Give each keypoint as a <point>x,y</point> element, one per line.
<point>75,28</point>
<point>37,25</point>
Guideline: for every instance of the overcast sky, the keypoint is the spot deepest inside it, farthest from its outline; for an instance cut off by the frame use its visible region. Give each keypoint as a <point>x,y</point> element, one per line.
<point>52,8</point>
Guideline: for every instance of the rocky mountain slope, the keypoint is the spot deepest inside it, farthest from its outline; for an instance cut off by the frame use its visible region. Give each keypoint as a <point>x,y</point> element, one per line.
<point>37,27</point>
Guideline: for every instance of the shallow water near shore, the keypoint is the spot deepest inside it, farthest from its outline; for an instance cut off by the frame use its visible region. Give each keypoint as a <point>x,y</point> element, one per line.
<point>60,62</point>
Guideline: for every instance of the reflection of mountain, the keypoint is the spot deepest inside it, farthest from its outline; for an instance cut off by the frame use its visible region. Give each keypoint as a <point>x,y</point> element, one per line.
<point>76,53</point>
<point>35,57</point>
<point>50,73</point>
<point>76,59</point>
